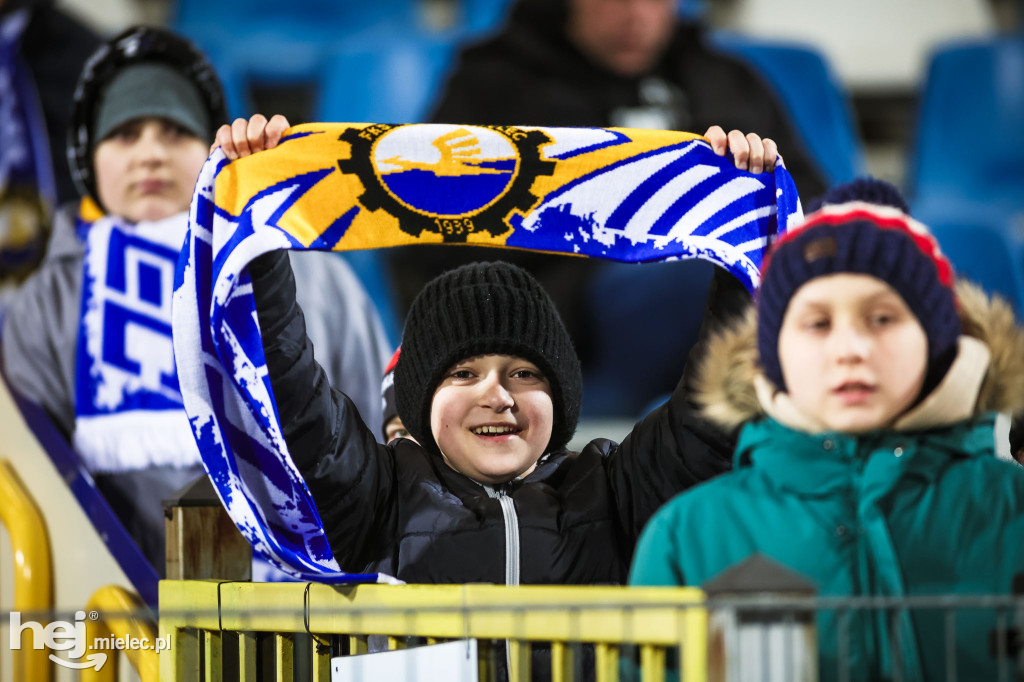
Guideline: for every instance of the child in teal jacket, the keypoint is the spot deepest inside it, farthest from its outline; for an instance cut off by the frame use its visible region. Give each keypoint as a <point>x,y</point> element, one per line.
<point>868,384</point>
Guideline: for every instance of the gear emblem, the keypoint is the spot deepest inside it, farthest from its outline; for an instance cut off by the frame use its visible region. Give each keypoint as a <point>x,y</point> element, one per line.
<point>448,179</point>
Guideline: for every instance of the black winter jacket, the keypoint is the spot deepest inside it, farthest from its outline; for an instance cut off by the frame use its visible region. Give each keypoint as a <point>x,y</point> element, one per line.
<point>399,509</point>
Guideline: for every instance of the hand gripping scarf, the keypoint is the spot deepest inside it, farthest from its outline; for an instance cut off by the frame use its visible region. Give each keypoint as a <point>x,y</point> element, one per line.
<point>627,195</point>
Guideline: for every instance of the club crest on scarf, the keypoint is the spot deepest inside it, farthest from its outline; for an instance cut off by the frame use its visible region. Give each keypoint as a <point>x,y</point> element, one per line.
<point>446,179</point>
<point>627,195</point>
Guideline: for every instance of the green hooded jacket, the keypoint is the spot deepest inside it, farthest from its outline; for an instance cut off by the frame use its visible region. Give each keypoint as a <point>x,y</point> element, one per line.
<point>924,509</point>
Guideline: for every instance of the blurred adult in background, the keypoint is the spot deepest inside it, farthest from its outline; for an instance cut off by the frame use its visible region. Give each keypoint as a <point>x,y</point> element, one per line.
<point>42,50</point>
<point>626,63</point>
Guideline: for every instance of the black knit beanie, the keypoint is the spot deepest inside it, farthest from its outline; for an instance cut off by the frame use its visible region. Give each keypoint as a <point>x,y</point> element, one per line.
<point>479,309</point>
<point>862,238</point>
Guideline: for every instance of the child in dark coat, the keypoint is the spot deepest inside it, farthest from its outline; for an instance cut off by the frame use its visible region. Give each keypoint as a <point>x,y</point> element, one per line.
<point>488,385</point>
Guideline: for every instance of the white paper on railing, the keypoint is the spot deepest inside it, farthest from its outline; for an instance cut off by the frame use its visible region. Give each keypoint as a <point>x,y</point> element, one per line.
<point>452,661</point>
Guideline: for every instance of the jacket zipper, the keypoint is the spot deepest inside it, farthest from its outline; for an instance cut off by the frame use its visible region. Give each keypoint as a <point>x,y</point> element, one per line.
<point>508,510</point>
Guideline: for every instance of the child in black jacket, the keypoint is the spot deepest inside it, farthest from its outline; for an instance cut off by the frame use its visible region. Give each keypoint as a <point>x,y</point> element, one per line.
<point>488,384</point>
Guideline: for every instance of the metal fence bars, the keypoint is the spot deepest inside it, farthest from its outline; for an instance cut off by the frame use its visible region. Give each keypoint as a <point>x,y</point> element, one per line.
<point>203,620</point>
<point>938,638</point>
<point>253,631</point>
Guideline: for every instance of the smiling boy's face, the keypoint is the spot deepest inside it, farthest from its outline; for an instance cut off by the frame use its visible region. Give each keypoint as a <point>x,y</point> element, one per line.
<point>492,416</point>
<point>147,168</point>
<point>853,355</point>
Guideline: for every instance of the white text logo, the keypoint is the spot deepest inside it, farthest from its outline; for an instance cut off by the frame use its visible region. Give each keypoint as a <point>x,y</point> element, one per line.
<point>71,638</point>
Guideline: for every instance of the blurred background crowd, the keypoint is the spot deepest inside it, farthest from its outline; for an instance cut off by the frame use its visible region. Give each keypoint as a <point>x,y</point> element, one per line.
<point>926,94</point>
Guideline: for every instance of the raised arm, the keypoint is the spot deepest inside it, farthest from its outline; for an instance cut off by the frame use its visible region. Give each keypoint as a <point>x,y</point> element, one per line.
<point>348,473</point>
<point>673,449</point>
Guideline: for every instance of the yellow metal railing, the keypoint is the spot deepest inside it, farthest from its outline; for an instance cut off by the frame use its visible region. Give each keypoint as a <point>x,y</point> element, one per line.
<point>33,567</point>
<point>196,617</point>
<point>122,617</point>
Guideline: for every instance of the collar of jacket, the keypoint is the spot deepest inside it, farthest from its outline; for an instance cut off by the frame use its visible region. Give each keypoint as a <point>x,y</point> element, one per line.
<point>819,464</point>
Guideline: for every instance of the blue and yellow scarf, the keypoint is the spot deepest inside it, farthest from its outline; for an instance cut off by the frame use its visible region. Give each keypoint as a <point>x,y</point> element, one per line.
<point>627,195</point>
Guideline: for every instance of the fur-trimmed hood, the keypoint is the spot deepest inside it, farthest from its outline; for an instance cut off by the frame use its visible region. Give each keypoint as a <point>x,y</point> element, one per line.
<point>731,390</point>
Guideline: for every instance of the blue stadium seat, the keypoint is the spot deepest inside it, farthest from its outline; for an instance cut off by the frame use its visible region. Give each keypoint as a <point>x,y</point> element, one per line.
<point>320,21</point>
<point>394,82</point>
<point>266,43</point>
<point>693,10</point>
<point>815,101</point>
<point>483,16</point>
<point>970,130</point>
<point>983,243</point>
<point>966,178</point>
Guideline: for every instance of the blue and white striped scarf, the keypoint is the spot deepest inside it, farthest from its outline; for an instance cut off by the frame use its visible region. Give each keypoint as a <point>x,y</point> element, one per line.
<point>128,407</point>
<point>628,195</point>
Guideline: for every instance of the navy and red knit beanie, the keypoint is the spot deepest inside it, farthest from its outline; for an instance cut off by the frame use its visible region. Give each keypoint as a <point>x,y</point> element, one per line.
<point>479,309</point>
<point>864,238</point>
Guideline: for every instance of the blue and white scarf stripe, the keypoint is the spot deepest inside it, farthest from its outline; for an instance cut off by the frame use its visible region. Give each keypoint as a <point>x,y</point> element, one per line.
<point>685,207</point>
<point>128,408</point>
<point>235,419</point>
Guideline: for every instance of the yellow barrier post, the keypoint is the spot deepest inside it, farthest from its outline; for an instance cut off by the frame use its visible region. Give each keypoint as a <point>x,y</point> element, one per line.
<point>561,662</point>
<point>186,608</point>
<point>284,657</point>
<point>33,567</point>
<point>247,655</point>
<point>122,616</point>
<point>213,654</point>
<point>321,665</point>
